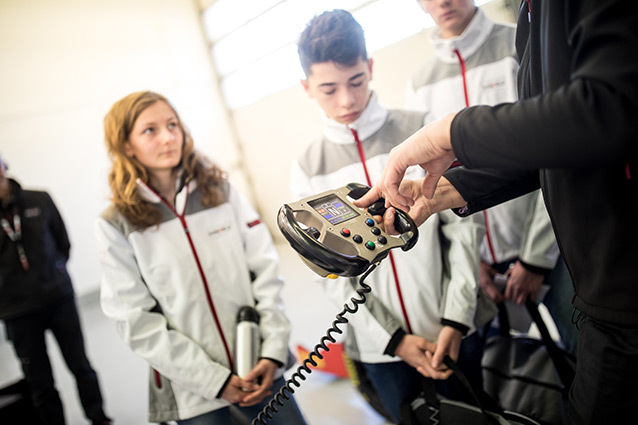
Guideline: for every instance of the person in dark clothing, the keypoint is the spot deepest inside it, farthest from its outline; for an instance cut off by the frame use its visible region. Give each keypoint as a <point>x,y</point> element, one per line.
<point>36,294</point>
<point>576,123</point>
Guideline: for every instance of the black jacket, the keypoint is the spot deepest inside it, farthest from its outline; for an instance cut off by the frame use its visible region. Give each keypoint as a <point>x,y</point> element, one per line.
<point>577,123</point>
<point>47,248</point>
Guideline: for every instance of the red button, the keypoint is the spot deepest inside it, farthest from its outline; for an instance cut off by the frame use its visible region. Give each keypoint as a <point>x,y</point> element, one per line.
<point>345,232</point>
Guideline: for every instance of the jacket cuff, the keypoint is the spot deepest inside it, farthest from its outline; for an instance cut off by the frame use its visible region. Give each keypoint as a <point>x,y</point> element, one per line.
<point>277,362</point>
<point>535,269</point>
<point>456,325</point>
<point>396,339</point>
<point>219,394</point>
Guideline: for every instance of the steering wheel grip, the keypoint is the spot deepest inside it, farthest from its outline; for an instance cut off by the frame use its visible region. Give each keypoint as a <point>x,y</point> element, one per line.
<point>317,253</point>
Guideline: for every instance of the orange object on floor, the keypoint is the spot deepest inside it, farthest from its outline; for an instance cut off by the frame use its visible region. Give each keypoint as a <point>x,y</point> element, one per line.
<point>333,360</point>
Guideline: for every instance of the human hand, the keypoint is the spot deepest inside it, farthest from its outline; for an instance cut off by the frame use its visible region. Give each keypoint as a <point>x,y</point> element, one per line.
<point>447,344</point>
<point>486,282</point>
<point>412,349</point>
<point>263,373</point>
<point>430,148</point>
<point>446,197</point>
<point>522,284</point>
<point>236,389</point>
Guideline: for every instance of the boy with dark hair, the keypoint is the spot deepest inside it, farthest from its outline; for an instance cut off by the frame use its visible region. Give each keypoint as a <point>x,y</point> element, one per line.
<point>420,304</point>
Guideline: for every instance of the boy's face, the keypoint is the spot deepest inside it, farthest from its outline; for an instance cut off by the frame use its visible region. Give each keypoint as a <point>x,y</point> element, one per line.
<point>341,91</point>
<point>451,16</point>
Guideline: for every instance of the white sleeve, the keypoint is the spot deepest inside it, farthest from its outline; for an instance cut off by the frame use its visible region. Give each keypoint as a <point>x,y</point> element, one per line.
<point>413,101</point>
<point>299,182</point>
<point>126,299</point>
<point>538,245</point>
<point>461,258</point>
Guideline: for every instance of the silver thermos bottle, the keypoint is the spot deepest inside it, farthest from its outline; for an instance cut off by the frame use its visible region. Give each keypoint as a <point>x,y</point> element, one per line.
<point>248,340</point>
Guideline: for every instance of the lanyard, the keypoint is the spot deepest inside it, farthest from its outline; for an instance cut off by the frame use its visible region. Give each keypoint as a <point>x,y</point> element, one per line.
<point>15,235</point>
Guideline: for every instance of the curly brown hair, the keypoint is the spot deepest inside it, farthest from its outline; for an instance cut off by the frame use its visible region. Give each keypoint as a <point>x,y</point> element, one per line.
<point>118,124</point>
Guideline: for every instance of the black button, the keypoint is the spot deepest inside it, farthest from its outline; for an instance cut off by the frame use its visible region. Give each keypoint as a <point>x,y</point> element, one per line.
<point>357,238</point>
<point>375,231</point>
<point>382,239</point>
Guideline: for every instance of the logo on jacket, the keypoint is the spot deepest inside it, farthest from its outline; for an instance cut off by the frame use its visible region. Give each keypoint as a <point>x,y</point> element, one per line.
<point>218,230</point>
<point>32,212</point>
<point>492,85</point>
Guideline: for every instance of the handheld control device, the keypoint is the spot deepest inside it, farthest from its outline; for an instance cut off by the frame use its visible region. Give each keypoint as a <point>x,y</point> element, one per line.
<point>336,238</point>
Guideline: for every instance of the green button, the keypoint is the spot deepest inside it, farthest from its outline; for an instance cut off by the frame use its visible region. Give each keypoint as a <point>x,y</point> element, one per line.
<point>370,245</point>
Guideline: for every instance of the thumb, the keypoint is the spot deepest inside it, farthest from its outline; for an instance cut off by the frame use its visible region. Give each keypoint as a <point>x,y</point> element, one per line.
<point>429,184</point>
<point>426,345</point>
<point>437,358</point>
<point>248,385</point>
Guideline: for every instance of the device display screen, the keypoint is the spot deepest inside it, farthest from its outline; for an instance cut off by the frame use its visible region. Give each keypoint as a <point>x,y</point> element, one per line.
<point>333,209</point>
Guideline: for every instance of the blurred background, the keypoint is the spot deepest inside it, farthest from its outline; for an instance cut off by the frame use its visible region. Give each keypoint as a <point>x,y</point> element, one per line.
<point>230,68</point>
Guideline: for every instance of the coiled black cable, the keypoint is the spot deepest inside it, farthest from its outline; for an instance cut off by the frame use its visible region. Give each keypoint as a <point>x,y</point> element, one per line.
<point>287,390</point>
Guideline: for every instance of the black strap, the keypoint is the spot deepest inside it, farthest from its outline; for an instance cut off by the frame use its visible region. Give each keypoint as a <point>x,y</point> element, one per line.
<point>565,370</point>
<point>481,399</point>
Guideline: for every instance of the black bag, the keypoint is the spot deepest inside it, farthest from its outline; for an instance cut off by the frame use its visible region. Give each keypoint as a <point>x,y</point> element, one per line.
<point>428,408</point>
<point>528,375</point>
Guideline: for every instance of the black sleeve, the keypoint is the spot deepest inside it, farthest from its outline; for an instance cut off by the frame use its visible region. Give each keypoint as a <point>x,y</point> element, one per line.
<point>483,188</point>
<point>58,229</point>
<point>395,340</point>
<point>581,109</point>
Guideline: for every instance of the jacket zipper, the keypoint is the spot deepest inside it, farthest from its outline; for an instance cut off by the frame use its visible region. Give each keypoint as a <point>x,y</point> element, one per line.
<point>209,299</point>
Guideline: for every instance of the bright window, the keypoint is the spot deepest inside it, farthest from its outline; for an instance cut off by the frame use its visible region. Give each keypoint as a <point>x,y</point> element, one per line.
<point>254,41</point>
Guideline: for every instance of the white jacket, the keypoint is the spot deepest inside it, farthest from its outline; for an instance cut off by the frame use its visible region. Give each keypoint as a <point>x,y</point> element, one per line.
<point>174,291</point>
<point>332,162</point>
<point>518,228</point>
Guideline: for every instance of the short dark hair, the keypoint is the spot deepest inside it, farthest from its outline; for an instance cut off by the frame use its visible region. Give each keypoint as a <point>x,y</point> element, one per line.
<point>333,36</point>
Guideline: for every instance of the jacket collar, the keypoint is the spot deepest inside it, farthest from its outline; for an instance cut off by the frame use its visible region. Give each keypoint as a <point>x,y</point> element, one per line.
<point>370,121</point>
<point>151,195</point>
<point>467,43</point>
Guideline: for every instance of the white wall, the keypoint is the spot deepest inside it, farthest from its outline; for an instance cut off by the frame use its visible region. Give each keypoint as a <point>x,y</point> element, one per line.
<point>64,63</point>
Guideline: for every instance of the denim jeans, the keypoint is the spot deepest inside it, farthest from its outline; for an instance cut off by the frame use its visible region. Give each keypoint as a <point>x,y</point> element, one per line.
<point>289,414</point>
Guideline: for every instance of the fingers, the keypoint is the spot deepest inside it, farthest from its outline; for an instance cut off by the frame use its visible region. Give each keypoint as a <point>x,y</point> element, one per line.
<point>388,221</point>
<point>255,397</point>
<point>492,291</point>
<point>429,184</point>
<point>440,372</point>
<point>373,195</point>
<point>236,389</point>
